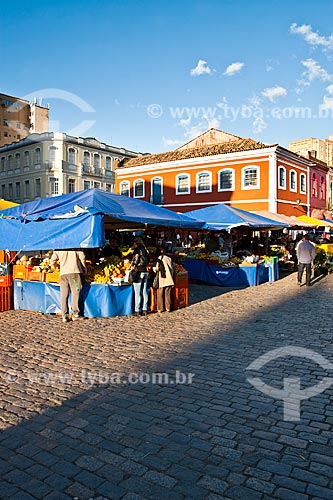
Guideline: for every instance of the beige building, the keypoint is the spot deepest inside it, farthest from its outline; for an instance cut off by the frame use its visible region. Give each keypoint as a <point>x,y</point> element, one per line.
<point>53,163</point>
<point>322,149</point>
<point>19,118</point>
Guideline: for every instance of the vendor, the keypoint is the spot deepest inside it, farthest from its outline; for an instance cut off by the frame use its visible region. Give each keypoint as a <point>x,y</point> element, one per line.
<point>111,249</point>
<point>213,244</point>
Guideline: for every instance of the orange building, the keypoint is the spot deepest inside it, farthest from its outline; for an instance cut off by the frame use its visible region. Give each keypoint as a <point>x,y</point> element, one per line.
<point>241,172</point>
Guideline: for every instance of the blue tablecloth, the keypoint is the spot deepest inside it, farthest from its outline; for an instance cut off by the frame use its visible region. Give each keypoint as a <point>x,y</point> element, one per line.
<point>231,276</point>
<point>100,300</point>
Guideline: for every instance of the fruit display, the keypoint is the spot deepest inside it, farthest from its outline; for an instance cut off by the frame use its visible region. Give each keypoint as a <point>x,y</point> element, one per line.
<point>110,269</point>
<point>179,269</point>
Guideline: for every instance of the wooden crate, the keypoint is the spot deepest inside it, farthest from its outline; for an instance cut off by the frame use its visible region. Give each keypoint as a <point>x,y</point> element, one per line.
<point>6,298</point>
<point>6,281</point>
<point>52,278</point>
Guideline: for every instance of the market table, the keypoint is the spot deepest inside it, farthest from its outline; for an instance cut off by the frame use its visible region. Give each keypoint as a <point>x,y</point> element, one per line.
<point>233,276</point>
<point>100,300</point>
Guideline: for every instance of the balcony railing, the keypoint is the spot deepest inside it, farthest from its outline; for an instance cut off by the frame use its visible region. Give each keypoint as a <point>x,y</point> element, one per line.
<point>90,170</point>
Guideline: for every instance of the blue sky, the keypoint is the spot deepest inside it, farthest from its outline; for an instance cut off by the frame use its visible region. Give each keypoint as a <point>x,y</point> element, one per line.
<point>150,75</point>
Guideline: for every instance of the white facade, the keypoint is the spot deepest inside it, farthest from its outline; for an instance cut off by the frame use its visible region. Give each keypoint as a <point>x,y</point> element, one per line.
<point>51,164</point>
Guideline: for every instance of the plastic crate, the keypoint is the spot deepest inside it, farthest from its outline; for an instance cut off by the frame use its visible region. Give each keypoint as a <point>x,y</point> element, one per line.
<point>36,275</point>
<point>6,281</point>
<point>6,298</point>
<point>52,278</point>
<point>20,272</point>
<point>273,258</point>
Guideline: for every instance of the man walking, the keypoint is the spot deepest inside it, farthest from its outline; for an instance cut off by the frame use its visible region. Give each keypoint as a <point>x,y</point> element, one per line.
<point>72,264</point>
<point>306,253</point>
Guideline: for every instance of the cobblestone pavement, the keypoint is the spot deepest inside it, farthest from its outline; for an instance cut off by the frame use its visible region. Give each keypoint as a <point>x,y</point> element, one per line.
<point>68,430</point>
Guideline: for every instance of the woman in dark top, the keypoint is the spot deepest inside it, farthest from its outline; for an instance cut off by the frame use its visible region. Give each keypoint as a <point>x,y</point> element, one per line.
<point>139,263</point>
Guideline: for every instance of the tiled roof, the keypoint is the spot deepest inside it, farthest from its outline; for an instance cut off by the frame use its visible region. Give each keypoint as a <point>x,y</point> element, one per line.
<point>211,150</point>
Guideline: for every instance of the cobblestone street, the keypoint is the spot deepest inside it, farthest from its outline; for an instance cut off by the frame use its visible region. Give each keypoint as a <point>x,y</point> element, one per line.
<point>77,424</point>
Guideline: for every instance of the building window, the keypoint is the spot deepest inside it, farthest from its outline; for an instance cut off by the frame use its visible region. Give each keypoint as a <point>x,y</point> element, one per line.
<point>17,161</point>
<point>97,185</point>
<point>108,163</point>
<point>97,163</point>
<point>17,190</point>
<point>10,191</point>
<point>26,159</point>
<point>3,191</point>
<point>27,189</point>
<point>303,183</point>
<point>125,188</point>
<point>86,159</point>
<point>71,156</point>
<point>226,180</point>
<point>204,182</point>
<point>293,180</point>
<point>54,186</point>
<point>314,185</point>
<point>138,188</point>
<point>3,164</point>
<point>282,178</point>
<point>71,185</point>
<point>250,178</point>
<point>18,125</point>
<point>86,184</point>
<point>37,188</point>
<point>322,188</point>
<point>37,156</point>
<point>108,187</point>
<point>52,153</point>
<point>182,184</point>
<point>10,162</point>
<point>5,123</point>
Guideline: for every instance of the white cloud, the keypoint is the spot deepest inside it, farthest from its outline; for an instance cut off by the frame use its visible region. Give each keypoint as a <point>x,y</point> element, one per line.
<point>233,68</point>
<point>259,125</point>
<point>201,69</point>
<point>192,131</point>
<point>272,93</point>
<point>171,142</point>
<point>311,37</point>
<point>327,99</point>
<point>314,71</point>
<point>271,64</point>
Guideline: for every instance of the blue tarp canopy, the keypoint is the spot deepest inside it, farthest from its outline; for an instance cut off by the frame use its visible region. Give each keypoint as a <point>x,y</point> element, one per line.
<point>77,220</point>
<point>222,216</point>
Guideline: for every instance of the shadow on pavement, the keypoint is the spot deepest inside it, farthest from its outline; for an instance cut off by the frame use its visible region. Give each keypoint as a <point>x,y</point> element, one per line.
<point>215,436</point>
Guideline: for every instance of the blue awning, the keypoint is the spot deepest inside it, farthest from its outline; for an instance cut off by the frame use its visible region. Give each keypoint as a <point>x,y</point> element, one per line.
<point>223,216</point>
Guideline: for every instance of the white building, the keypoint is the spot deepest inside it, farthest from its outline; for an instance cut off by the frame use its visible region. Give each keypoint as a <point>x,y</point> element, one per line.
<point>53,163</point>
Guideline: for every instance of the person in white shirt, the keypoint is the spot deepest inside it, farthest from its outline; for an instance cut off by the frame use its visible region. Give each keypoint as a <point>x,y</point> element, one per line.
<point>72,264</point>
<point>306,253</point>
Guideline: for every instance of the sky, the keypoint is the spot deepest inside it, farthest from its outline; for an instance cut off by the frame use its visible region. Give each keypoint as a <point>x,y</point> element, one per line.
<point>149,75</point>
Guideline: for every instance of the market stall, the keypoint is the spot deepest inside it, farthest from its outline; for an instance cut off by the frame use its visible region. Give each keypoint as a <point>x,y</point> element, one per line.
<point>77,220</point>
<point>222,268</point>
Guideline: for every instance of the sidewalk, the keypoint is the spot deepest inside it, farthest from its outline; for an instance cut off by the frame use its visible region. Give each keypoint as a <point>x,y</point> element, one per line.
<point>81,417</point>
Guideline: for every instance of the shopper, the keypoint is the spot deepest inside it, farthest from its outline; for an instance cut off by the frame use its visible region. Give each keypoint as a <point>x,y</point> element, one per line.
<point>139,263</point>
<point>72,264</point>
<point>165,269</point>
<point>111,249</point>
<point>306,253</point>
